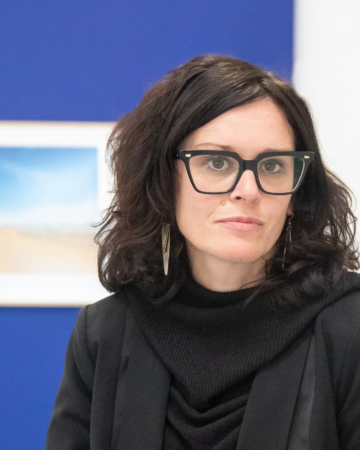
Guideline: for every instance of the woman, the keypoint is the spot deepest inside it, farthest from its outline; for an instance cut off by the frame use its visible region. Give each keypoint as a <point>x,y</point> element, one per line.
<point>230,249</point>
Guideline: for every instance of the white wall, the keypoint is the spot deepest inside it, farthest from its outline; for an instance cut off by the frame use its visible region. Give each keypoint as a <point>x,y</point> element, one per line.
<point>327,74</point>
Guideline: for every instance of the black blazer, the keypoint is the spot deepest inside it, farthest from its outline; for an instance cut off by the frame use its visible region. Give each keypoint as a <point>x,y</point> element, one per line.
<point>114,391</point>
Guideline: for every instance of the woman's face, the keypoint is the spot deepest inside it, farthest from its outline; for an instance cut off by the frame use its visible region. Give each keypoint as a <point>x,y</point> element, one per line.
<point>244,225</point>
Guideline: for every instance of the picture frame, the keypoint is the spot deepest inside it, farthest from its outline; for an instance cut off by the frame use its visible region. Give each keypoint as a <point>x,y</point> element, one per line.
<point>87,141</point>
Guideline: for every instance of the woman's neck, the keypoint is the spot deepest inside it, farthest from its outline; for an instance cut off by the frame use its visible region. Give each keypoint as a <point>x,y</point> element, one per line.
<point>224,276</point>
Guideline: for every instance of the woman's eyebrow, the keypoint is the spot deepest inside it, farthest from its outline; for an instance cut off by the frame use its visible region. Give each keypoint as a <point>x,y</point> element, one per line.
<point>230,148</point>
<point>213,144</point>
<point>278,150</point>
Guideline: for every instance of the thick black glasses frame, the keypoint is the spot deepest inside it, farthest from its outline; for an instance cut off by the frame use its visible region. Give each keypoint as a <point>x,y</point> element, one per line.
<point>244,164</point>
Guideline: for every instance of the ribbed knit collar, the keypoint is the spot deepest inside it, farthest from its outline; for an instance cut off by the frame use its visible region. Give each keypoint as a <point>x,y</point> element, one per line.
<point>194,295</point>
<point>211,341</point>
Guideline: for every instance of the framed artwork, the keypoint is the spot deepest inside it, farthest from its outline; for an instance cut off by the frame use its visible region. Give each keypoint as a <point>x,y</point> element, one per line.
<point>54,185</point>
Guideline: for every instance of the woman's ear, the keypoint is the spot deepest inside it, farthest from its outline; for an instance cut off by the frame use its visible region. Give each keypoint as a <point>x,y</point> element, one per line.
<point>289,211</point>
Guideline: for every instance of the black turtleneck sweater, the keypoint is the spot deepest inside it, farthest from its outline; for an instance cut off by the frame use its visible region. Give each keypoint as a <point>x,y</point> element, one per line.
<point>213,344</point>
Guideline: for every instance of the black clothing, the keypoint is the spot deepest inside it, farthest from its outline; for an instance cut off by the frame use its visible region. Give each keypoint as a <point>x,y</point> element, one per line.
<point>213,343</point>
<point>115,389</point>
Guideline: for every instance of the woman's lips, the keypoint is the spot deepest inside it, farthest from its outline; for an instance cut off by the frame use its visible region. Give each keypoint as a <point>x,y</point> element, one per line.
<point>241,223</point>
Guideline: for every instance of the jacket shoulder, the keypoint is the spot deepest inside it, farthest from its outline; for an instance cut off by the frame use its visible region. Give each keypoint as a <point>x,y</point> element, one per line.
<point>109,309</point>
<point>342,317</point>
<point>337,343</point>
<point>337,335</point>
<point>86,393</point>
<point>101,324</point>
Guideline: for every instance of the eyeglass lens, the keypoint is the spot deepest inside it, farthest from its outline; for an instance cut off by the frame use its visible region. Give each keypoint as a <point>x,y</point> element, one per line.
<point>217,173</point>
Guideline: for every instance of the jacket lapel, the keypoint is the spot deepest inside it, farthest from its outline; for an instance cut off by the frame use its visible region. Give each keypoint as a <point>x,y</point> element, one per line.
<point>269,412</point>
<point>143,389</point>
<point>142,393</point>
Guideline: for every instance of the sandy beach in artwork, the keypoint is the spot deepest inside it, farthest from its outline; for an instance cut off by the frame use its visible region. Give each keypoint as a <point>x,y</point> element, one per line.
<point>46,251</point>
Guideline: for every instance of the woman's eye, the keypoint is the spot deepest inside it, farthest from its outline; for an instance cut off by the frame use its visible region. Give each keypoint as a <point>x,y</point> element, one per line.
<point>271,166</point>
<point>218,163</point>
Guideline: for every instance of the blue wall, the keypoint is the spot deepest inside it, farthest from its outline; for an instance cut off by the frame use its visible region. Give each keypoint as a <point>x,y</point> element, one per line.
<point>91,60</point>
<point>33,342</point>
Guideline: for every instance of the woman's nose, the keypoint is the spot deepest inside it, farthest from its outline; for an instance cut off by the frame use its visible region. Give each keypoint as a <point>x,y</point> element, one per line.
<point>246,188</point>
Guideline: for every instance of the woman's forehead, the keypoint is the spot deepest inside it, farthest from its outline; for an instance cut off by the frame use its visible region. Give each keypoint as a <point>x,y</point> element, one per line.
<point>260,125</point>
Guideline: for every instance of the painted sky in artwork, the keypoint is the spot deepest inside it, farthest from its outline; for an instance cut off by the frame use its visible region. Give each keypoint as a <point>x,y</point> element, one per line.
<point>54,187</point>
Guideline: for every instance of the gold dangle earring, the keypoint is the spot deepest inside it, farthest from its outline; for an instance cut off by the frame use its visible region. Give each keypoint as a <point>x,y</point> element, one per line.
<point>288,238</point>
<point>165,240</point>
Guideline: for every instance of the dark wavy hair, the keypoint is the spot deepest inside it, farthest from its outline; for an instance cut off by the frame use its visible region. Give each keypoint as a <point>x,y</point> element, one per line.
<point>141,154</point>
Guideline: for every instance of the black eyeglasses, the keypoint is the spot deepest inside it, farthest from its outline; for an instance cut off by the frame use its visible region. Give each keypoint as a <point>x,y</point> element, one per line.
<point>218,172</point>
